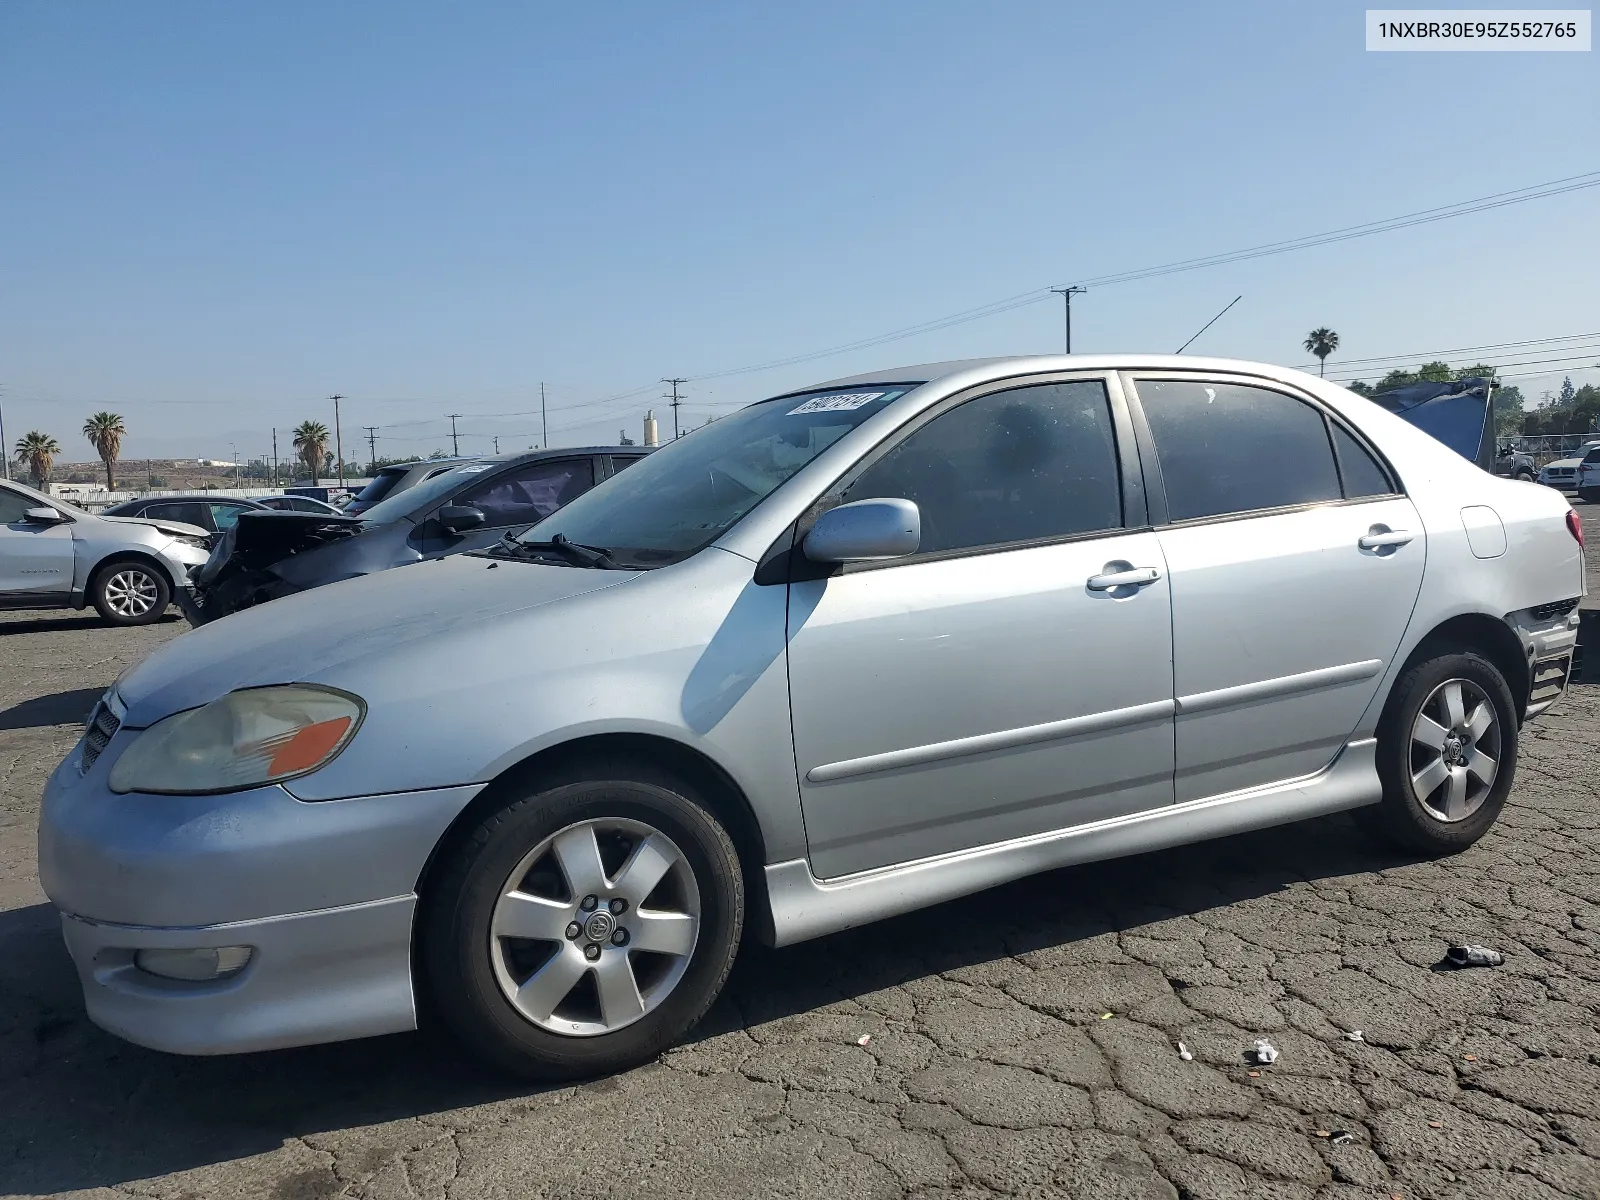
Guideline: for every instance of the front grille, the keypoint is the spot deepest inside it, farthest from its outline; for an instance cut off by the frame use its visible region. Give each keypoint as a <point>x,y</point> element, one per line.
<point>103,726</point>
<point>1558,608</point>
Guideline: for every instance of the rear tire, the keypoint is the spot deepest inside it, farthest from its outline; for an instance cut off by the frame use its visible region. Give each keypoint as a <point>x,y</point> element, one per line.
<point>546,1002</point>
<point>1525,476</point>
<point>1447,753</point>
<point>1589,495</point>
<point>130,591</point>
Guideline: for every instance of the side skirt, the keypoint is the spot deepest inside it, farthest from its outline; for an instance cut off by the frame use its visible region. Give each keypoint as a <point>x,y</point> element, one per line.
<point>805,907</point>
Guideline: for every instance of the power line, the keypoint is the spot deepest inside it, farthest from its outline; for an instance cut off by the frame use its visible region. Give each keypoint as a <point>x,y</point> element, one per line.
<point>1423,354</point>
<point>1424,216</point>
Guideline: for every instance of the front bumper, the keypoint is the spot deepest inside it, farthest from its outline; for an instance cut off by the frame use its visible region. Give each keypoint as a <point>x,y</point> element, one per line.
<point>312,977</point>
<point>322,892</point>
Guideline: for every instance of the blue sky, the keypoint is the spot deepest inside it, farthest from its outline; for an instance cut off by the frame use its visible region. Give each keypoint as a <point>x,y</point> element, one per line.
<point>216,215</point>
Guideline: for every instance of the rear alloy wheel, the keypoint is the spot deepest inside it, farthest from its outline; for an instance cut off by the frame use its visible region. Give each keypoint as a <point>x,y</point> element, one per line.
<point>583,929</point>
<point>1447,753</point>
<point>130,592</point>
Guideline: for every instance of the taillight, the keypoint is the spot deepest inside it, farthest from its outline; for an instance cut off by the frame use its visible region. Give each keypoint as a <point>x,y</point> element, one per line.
<point>1575,526</point>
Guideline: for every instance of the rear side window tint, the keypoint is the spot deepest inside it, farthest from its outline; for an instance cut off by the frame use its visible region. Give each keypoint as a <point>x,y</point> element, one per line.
<point>1360,472</point>
<point>1231,448</point>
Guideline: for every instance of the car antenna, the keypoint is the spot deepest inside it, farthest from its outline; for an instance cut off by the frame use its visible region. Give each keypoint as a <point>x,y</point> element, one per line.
<point>1209,324</point>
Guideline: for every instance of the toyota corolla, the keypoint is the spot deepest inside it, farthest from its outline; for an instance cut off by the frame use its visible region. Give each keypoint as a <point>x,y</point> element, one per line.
<point>844,653</point>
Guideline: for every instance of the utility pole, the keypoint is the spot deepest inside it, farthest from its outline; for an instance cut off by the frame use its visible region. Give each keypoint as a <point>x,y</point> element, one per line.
<point>544,421</point>
<point>675,403</point>
<point>274,457</point>
<point>372,447</point>
<point>497,445</point>
<point>233,453</point>
<point>338,438</point>
<point>1067,293</point>
<point>455,442</point>
<point>5,448</point>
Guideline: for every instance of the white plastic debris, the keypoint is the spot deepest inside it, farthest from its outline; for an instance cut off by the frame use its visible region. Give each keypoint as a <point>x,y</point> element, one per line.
<point>1354,1036</point>
<point>1265,1051</point>
<point>1183,1053</point>
<point>864,1040</point>
<point>1341,1138</point>
<point>1474,956</point>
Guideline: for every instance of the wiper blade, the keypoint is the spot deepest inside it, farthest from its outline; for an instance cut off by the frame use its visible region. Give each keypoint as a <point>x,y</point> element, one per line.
<point>588,556</point>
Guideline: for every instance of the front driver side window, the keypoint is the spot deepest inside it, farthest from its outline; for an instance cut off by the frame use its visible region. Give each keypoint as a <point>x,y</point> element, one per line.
<point>14,506</point>
<point>530,493</point>
<point>1013,466</point>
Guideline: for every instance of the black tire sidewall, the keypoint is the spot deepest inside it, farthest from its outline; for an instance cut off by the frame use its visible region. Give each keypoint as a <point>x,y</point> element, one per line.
<point>454,923</point>
<point>97,594</point>
<point>1402,815</point>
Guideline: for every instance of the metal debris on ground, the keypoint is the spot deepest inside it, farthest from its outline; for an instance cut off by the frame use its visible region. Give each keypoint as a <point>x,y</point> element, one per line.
<point>1265,1052</point>
<point>1183,1053</point>
<point>1354,1036</point>
<point>1474,956</point>
<point>1341,1137</point>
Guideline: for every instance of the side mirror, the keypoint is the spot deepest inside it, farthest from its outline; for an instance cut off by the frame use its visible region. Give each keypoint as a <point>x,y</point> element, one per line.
<point>43,516</point>
<point>458,518</point>
<point>865,531</point>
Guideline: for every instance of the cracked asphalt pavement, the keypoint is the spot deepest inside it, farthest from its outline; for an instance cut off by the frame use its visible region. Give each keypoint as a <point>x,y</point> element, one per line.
<point>1022,1042</point>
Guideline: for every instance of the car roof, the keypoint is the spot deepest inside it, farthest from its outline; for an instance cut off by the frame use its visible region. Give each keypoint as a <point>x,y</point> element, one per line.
<point>515,456</point>
<point>980,370</point>
<point>190,498</point>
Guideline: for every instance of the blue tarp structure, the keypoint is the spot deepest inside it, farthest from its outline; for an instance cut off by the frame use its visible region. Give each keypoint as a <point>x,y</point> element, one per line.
<point>1459,413</point>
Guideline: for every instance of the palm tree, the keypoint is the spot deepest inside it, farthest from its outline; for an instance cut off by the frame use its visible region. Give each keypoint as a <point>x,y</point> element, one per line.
<point>105,432</point>
<point>1322,342</point>
<point>311,440</point>
<point>37,451</point>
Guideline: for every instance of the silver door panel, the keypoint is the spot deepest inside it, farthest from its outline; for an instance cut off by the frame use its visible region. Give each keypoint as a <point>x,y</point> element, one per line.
<point>951,703</point>
<point>1283,627</point>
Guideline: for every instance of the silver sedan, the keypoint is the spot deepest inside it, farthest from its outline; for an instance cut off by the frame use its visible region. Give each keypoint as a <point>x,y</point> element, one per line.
<point>847,652</point>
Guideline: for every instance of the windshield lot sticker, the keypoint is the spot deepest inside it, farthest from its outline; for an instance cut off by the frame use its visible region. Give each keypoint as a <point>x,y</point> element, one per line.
<point>474,468</point>
<point>839,403</point>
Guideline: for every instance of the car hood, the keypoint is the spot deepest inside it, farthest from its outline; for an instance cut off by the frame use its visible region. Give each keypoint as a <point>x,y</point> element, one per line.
<point>302,636</point>
<point>1563,462</point>
<point>172,528</point>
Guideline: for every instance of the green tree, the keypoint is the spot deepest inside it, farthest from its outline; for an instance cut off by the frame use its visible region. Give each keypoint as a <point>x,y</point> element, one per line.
<point>105,432</point>
<point>311,442</point>
<point>1321,342</point>
<point>1568,393</point>
<point>37,451</point>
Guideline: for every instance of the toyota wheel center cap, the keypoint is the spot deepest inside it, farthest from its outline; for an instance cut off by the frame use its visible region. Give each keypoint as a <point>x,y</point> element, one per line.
<point>599,926</point>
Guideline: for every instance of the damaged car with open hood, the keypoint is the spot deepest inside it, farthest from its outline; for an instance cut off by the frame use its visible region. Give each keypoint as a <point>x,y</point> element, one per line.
<point>267,555</point>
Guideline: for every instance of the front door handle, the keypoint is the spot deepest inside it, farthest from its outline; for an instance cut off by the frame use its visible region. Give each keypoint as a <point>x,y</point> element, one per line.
<point>1130,577</point>
<point>1379,537</point>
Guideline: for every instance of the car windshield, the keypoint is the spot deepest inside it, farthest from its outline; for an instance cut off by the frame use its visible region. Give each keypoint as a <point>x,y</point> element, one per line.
<point>693,490</point>
<point>403,503</point>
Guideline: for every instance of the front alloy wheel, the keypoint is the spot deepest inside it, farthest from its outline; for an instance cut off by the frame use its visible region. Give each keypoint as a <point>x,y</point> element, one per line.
<point>595,927</point>
<point>130,593</point>
<point>584,926</point>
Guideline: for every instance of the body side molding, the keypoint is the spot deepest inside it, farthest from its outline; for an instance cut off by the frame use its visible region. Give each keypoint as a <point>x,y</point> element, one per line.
<point>805,907</point>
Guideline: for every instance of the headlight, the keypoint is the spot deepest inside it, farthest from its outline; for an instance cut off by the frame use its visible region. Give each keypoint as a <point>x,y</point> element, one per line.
<point>247,738</point>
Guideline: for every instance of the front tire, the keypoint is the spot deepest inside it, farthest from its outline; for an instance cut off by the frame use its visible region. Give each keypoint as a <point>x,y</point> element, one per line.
<point>1447,753</point>
<point>582,929</point>
<point>129,591</point>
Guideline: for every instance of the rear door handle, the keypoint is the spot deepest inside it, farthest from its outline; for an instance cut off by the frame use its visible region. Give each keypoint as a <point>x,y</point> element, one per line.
<point>1378,539</point>
<point>1132,577</point>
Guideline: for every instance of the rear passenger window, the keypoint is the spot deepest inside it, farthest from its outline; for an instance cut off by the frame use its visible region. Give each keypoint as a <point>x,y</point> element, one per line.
<point>1360,472</point>
<point>1011,466</point>
<point>1231,448</point>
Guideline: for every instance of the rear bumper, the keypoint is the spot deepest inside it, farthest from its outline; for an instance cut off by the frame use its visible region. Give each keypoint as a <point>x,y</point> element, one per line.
<point>1550,644</point>
<point>312,977</point>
